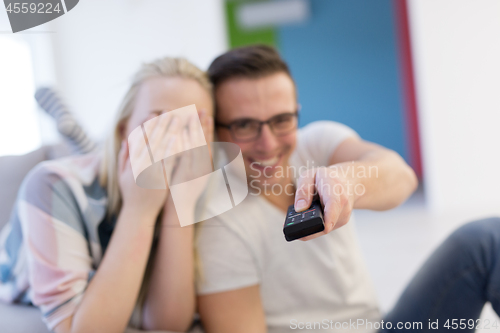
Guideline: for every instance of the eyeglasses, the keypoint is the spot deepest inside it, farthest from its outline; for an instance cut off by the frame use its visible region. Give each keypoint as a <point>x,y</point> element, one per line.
<point>247,129</point>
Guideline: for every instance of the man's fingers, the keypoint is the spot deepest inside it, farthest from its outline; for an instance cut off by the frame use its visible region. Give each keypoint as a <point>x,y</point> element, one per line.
<point>343,218</point>
<point>331,213</point>
<point>313,236</point>
<point>305,190</point>
<point>333,218</point>
<point>329,198</point>
<point>334,197</point>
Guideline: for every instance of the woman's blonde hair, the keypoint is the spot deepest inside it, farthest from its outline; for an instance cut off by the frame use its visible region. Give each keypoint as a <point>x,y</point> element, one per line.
<point>164,67</point>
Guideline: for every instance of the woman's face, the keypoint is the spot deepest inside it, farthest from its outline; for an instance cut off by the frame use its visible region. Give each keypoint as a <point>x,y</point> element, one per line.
<point>159,95</point>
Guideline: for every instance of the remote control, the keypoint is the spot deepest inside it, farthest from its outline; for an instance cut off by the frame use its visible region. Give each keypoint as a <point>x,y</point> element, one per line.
<point>308,222</point>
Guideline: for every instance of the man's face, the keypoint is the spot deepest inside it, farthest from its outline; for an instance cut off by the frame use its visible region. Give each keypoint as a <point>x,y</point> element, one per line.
<point>259,99</point>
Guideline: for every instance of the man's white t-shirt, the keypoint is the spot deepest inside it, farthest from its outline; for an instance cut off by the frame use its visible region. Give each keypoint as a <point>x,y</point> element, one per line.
<point>322,282</point>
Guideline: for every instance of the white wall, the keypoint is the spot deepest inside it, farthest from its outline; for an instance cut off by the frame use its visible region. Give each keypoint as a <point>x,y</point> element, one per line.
<point>456,48</point>
<point>32,127</point>
<point>100,44</point>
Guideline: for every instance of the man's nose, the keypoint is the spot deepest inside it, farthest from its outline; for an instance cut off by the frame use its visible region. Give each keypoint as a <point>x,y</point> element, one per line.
<point>267,140</point>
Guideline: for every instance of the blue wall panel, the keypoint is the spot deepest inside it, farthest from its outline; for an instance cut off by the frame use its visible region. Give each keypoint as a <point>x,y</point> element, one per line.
<point>345,62</point>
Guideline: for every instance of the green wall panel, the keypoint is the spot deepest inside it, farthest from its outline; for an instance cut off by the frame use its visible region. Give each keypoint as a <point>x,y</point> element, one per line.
<point>241,37</point>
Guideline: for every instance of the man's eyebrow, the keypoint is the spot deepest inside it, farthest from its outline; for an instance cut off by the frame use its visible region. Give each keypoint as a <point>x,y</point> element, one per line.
<point>243,118</point>
<point>276,115</point>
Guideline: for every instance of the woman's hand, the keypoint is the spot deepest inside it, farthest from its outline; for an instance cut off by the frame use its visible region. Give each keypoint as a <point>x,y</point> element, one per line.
<point>133,196</point>
<point>207,123</point>
<point>191,164</point>
<point>170,301</point>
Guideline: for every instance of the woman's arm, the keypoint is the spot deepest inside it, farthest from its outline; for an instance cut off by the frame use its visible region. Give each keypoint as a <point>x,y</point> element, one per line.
<point>170,301</point>
<point>110,297</point>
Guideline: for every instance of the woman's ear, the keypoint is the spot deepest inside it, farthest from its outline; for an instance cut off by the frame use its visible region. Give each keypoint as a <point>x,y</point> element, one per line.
<point>122,128</point>
<point>216,136</point>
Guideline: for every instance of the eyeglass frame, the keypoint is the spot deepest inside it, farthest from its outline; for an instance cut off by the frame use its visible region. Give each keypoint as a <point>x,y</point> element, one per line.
<point>261,124</point>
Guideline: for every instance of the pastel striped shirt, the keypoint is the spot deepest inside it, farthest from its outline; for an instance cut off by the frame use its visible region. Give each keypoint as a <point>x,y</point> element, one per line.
<point>56,237</point>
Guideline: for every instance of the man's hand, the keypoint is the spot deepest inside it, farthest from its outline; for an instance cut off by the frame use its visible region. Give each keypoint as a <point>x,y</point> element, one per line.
<point>361,175</point>
<point>335,192</point>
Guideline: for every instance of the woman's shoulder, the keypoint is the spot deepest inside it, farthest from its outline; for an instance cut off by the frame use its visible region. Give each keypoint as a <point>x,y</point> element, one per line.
<point>83,168</point>
<point>71,173</point>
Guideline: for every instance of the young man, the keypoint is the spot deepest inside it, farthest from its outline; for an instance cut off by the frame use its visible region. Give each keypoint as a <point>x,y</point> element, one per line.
<point>250,275</point>
<point>251,279</point>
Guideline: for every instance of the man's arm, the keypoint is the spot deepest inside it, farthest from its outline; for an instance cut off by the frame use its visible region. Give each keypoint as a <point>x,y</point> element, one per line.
<point>388,180</point>
<point>361,175</point>
<point>235,311</point>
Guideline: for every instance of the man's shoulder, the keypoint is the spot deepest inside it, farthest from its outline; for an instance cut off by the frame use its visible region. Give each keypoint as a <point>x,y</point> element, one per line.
<point>321,127</point>
<point>317,142</point>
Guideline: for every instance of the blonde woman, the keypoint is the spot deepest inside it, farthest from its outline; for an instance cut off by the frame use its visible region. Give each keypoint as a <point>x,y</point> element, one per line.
<point>81,244</point>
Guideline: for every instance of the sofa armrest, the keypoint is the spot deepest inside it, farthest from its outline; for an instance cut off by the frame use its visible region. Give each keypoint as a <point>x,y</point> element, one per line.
<point>13,169</point>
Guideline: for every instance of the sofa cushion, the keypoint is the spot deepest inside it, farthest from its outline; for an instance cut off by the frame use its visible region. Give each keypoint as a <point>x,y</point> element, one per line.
<point>21,319</point>
<point>16,318</point>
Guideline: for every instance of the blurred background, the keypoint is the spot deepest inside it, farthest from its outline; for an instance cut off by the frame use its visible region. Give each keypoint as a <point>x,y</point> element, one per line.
<point>421,77</point>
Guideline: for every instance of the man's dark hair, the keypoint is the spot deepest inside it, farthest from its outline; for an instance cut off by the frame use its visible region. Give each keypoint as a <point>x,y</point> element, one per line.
<point>252,62</point>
